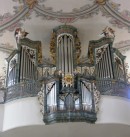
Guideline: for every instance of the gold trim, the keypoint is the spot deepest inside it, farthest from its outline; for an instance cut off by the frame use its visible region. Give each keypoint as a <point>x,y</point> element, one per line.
<point>31,3</point>
<point>101,2</point>
<point>78,48</point>
<point>39,54</point>
<point>53,47</point>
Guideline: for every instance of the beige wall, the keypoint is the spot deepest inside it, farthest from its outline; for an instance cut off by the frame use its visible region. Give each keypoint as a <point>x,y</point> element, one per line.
<point>26,111</point>
<point>1,116</point>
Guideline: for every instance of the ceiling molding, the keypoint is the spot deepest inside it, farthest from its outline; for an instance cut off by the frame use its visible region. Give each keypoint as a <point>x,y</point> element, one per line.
<point>49,14</point>
<point>13,20</point>
<point>108,8</point>
<point>123,46</point>
<point>6,48</point>
<point>115,14</point>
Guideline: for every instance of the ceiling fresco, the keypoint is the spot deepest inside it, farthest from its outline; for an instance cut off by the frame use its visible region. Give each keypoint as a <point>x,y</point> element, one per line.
<point>64,11</point>
<point>39,17</point>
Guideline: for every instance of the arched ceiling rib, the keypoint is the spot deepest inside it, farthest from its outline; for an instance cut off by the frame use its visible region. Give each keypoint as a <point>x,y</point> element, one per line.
<point>107,7</point>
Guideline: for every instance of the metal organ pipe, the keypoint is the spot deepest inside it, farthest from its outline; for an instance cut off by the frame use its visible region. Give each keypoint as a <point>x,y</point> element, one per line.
<point>107,65</point>
<point>51,98</point>
<point>21,75</point>
<point>62,55</point>
<point>119,71</point>
<point>110,62</point>
<point>12,76</point>
<point>71,61</point>
<point>30,68</point>
<point>65,54</point>
<point>104,66</point>
<point>86,96</point>
<point>23,65</point>
<point>68,55</point>
<point>27,67</point>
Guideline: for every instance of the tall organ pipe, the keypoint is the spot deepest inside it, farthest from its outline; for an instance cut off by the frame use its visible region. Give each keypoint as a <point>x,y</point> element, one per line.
<point>65,54</point>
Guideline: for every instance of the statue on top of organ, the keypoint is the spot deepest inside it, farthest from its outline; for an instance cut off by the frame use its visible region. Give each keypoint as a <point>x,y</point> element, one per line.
<point>71,87</point>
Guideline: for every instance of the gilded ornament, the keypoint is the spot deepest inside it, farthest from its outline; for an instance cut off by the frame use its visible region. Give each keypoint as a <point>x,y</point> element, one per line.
<point>78,48</point>
<point>39,54</point>
<point>101,2</point>
<point>52,47</point>
<point>31,3</point>
<point>68,80</point>
<point>96,99</point>
<point>91,55</point>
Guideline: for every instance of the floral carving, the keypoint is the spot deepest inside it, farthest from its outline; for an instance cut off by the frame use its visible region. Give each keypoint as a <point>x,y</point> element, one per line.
<point>52,47</point>
<point>41,98</point>
<point>96,98</point>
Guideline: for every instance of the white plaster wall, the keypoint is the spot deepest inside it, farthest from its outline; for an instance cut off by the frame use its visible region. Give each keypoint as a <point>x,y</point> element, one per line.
<point>114,110</point>
<point>1,116</point>
<point>24,112</point>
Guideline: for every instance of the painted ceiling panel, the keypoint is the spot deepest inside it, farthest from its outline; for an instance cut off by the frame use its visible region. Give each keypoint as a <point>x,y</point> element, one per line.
<point>123,5</point>
<point>7,6</point>
<point>67,5</point>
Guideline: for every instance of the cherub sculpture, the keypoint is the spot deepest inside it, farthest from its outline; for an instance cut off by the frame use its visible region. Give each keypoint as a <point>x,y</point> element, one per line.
<point>20,34</point>
<point>108,32</point>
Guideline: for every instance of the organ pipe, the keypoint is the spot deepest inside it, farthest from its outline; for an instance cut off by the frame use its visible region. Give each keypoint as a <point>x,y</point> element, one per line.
<point>65,53</point>
<point>104,66</point>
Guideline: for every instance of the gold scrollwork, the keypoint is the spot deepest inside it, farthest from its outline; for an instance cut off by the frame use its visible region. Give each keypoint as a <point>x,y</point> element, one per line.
<point>53,47</point>
<point>91,55</point>
<point>78,48</point>
<point>39,54</point>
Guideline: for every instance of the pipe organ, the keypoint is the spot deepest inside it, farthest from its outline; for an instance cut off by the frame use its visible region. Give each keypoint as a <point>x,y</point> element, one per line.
<point>119,67</point>
<point>109,65</point>
<point>86,95</point>
<point>22,69</point>
<point>27,64</point>
<point>68,86</point>
<point>69,92</point>
<point>104,62</point>
<point>51,96</point>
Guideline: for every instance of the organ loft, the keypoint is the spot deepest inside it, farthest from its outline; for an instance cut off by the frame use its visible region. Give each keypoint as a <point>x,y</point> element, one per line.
<point>67,86</point>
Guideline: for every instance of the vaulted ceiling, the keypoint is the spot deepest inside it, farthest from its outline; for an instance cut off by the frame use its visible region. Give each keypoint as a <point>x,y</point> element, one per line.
<point>39,17</point>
